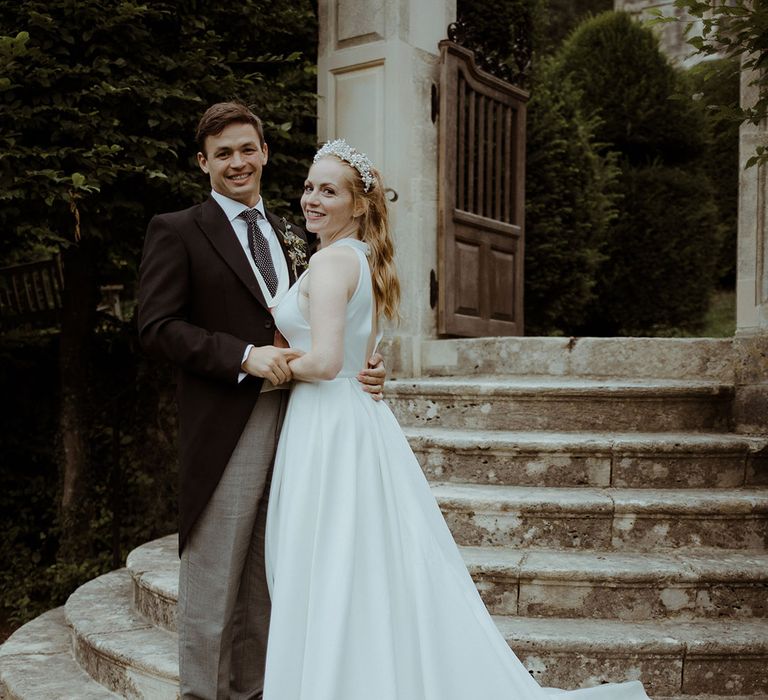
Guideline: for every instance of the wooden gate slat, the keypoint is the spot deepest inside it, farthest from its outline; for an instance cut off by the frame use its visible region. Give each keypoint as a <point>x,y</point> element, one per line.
<point>499,157</point>
<point>471,136</point>
<point>508,172</point>
<point>480,190</point>
<point>461,145</point>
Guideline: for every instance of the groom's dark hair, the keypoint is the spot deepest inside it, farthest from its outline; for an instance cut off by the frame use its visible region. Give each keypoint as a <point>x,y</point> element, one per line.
<point>219,116</point>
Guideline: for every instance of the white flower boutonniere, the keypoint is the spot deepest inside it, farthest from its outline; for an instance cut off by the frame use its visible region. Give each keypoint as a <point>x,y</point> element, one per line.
<point>296,247</point>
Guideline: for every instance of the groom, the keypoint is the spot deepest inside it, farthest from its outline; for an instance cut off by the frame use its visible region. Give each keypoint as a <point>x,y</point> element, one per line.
<point>208,278</point>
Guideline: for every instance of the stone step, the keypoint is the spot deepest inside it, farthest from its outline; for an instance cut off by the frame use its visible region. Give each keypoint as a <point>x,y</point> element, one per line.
<point>562,403</point>
<point>116,645</point>
<point>632,459</point>
<point>604,519</point>
<point>671,657</point>
<point>671,358</point>
<point>154,568</point>
<point>618,585</point>
<point>36,663</point>
<point>548,583</point>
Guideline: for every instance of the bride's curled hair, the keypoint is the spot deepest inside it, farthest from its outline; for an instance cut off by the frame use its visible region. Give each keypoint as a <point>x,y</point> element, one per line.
<point>374,230</point>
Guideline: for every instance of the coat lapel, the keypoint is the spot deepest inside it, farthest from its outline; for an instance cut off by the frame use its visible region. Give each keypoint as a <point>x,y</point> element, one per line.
<point>218,230</point>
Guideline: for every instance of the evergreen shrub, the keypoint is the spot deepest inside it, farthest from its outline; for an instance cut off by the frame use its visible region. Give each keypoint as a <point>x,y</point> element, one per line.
<point>716,85</point>
<point>659,269</point>
<point>626,81</point>
<point>570,192</point>
<point>663,252</point>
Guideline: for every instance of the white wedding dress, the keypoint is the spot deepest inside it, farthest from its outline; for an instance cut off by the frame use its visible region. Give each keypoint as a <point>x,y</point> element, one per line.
<point>370,597</point>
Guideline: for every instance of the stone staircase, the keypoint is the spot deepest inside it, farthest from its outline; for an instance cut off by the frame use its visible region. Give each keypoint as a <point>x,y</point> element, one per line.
<point>613,520</point>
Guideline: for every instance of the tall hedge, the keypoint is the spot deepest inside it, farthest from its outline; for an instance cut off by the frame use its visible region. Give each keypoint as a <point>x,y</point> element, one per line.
<point>662,254</point>
<point>716,85</point>
<point>570,193</point>
<point>626,80</point>
<point>98,105</point>
<point>663,245</point>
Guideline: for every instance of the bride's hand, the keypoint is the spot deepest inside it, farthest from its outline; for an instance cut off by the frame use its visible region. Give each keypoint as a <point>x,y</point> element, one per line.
<point>271,363</point>
<point>372,377</point>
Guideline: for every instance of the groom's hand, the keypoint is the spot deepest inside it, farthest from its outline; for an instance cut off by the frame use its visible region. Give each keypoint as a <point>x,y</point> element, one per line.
<point>271,363</point>
<point>372,377</point>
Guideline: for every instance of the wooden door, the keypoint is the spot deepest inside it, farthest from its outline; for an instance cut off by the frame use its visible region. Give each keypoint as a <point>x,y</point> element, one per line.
<point>481,189</point>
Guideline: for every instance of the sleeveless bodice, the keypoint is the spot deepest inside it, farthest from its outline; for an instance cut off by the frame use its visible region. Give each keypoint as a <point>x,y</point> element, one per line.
<point>357,330</point>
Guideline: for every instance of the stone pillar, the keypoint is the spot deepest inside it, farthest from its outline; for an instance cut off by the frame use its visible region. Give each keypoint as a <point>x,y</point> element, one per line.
<point>751,341</point>
<point>377,63</point>
<point>752,255</point>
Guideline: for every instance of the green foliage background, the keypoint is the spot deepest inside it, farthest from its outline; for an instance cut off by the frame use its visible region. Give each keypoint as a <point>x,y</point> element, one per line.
<point>98,105</point>
<point>716,84</point>
<point>570,203</point>
<point>100,101</point>
<point>662,248</point>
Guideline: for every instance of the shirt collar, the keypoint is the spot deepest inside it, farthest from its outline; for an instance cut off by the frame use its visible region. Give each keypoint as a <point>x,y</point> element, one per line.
<point>233,208</point>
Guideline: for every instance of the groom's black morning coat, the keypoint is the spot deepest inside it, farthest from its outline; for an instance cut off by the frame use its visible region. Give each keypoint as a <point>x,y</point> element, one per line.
<point>199,307</point>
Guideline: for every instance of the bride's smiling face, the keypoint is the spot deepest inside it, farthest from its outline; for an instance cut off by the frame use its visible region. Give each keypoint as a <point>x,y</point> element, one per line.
<point>327,201</point>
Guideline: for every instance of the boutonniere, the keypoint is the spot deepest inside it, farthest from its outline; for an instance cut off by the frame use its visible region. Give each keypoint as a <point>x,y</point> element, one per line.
<point>295,246</point>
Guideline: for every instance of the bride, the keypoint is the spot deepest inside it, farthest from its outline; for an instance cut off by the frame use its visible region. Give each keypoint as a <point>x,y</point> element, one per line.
<point>371,599</point>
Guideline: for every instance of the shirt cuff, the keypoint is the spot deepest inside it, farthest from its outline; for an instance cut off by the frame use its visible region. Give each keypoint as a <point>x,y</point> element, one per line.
<point>243,375</point>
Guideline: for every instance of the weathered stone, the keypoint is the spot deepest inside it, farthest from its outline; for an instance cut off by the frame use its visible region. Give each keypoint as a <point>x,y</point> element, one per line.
<point>671,657</point>
<point>595,585</point>
<point>117,646</point>
<point>671,358</point>
<point>526,516</point>
<point>757,468</point>
<point>586,518</point>
<point>739,669</point>
<point>36,663</point>
<point>750,409</point>
<point>731,584</point>
<point>682,460</point>
<point>154,568</point>
<point>652,519</point>
<point>513,458</point>
<point>561,404</point>
<point>583,653</point>
<point>545,458</point>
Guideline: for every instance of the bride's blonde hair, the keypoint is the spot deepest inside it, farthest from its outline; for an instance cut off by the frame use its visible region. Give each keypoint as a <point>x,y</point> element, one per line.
<point>374,230</point>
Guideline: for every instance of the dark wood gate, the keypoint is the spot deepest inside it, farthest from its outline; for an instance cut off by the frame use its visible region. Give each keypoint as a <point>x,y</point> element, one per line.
<point>481,191</point>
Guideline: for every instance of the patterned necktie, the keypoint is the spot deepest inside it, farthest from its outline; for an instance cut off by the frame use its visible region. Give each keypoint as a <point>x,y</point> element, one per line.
<point>260,249</point>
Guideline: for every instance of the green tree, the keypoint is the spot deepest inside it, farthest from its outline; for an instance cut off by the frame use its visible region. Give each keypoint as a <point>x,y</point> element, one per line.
<point>570,192</point>
<point>626,81</point>
<point>715,84</point>
<point>653,259</point>
<point>737,29</point>
<point>97,111</point>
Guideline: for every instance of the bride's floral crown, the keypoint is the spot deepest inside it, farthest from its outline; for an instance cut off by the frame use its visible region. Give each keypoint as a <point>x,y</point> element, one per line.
<point>359,161</point>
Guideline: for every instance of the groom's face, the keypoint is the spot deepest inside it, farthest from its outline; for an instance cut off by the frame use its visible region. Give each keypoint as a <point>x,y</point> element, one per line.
<point>233,159</point>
